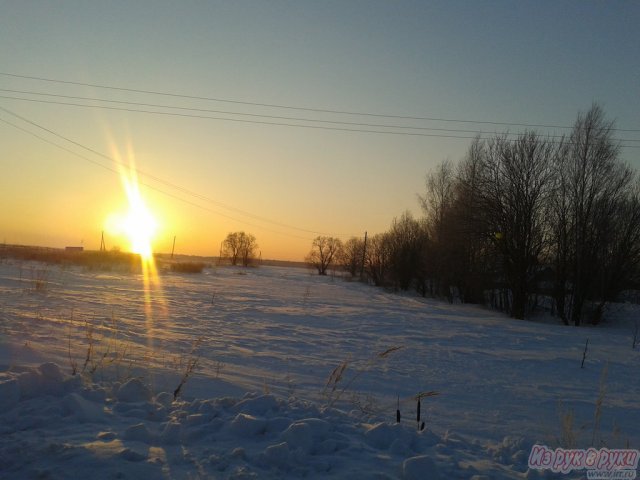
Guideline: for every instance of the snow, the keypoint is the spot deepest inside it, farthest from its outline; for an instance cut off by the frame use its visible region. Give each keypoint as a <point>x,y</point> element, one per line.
<point>90,363</point>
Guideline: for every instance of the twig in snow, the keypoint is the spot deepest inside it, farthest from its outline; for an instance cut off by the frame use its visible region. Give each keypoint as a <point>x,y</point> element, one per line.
<point>192,362</point>
<point>584,354</point>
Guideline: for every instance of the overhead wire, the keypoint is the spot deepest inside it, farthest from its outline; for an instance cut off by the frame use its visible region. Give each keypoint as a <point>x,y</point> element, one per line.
<point>239,120</point>
<point>254,115</point>
<point>227,112</point>
<point>320,127</point>
<point>292,107</point>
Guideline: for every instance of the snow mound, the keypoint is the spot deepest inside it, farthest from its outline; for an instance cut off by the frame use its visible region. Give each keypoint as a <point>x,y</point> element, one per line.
<point>257,406</point>
<point>420,467</point>
<point>259,436</point>
<point>83,410</point>
<point>9,392</point>
<point>133,391</point>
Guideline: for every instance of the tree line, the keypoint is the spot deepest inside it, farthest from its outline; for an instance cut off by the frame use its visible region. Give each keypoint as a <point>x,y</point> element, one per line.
<point>514,222</point>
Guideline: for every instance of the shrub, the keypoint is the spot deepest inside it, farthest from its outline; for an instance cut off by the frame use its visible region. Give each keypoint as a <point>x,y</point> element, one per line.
<point>187,267</point>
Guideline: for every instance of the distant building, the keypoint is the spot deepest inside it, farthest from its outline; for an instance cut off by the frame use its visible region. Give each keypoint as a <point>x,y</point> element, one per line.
<point>73,249</point>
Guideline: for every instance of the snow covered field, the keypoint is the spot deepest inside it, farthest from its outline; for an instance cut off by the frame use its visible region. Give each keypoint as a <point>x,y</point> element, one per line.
<point>264,343</point>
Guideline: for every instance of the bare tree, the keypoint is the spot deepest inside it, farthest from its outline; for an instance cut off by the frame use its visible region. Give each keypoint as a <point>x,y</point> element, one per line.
<point>619,251</point>
<point>248,247</point>
<point>324,251</point>
<point>437,205</point>
<point>514,194</point>
<point>239,246</point>
<point>231,247</point>
<point>595,185</point>
<point>351,256</point>
<point>377,258</point>
<point>560,250</point>
<point>468,245</point>
<point>458,251</point>
<point>438,198</point>
<point>407,242</point>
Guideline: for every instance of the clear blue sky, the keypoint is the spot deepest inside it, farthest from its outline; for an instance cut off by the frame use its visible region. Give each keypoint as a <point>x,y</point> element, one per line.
<point>500,61</point>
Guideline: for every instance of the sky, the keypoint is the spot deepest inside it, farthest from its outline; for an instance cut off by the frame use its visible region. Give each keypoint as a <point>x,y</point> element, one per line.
<point>259,123</point>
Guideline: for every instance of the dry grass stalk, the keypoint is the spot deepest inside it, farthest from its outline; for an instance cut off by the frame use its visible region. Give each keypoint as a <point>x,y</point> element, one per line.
<point>389,351</point>
<point>192,363</point>
<point>338,374</point>
<point>90,341</point>
<point>567,432</point>
<point>597,414</point>
<point>422,395</point>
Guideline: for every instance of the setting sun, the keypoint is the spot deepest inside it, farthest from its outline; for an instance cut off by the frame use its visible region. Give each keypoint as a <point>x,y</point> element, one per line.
<point>137,225</point>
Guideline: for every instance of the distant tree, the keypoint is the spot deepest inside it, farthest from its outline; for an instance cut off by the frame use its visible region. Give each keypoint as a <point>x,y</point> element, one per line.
<point>351,256</point>
<point>239,246</point>
<point>468,246</point>
<point>248,247</point>
<point>324,252</point>
<point>377,258</point>
<point>438,198</point>
<point>231,247</point>
<point>406,243</point>
<point>437,206</point>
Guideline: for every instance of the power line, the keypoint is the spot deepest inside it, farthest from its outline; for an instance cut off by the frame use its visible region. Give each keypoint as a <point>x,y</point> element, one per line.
<point>254,115</point>
<point>238,120</point>
<point>264,122</point>
<point>226,112</point>
<point>159,180</point>
<point>291,107</point>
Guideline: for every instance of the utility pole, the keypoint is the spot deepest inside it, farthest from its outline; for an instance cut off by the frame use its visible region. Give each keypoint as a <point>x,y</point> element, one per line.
<point>174,246</point>
<point>103,247</point>
<point>364,253</point>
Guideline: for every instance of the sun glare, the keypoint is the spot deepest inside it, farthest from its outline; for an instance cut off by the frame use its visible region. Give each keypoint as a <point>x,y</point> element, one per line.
<point>137,225</point>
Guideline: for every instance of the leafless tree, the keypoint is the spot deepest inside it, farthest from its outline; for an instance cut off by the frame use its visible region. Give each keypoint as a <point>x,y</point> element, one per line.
<point>239,246</point>
<point>248,247</point>
<point>377,258</point>
<point>437,204</point>
<point>324,251</point>
<point>456,260</point>
<point>591,189</point>
<point>351,256</point>
<point>515,189</point>
<point>231,247</point>
<point>438,198</point>
<point>469,242</point>
<point>407,245</point>
<point>619,252</point>
<point>560,251</point>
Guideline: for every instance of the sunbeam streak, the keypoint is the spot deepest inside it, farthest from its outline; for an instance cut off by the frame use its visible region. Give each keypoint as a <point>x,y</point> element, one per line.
<point>139,225</point>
